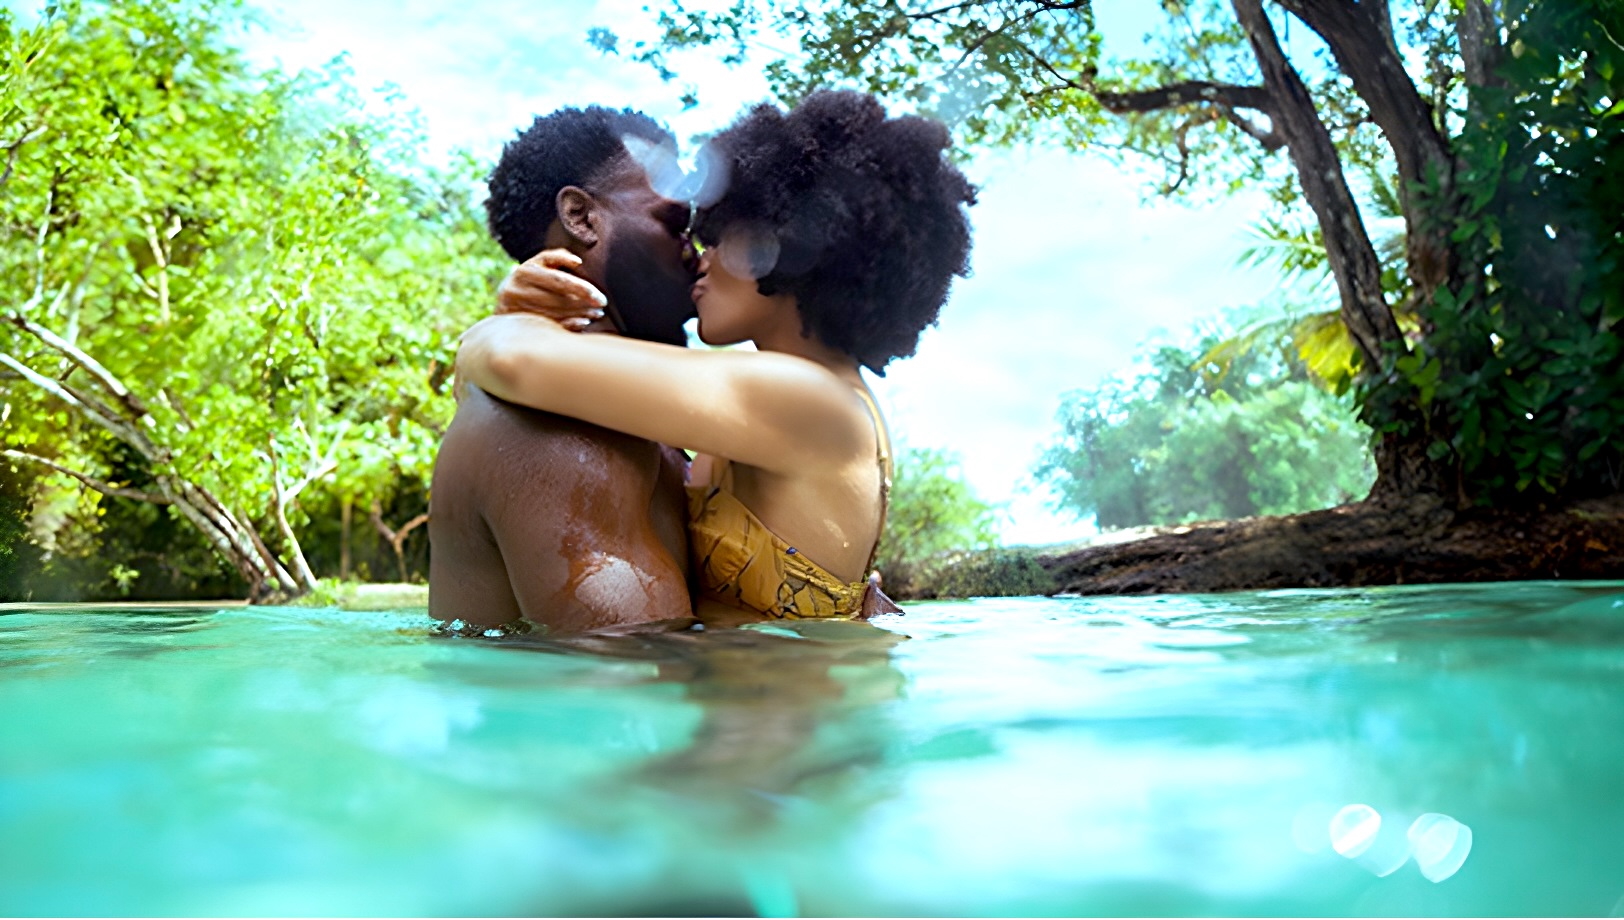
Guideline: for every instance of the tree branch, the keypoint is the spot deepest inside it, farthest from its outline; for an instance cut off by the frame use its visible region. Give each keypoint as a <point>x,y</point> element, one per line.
<point>1188,92</point>
<point>378,524</point>
<point>1268,137</point>
<point>396,538</point>
<point>94,483</point>
<point>301,566</point>
<point>168,398</point>
<point>119,428</point>
<point>39,247</point>
<point>939,11</point>
<point>989,34</point>
<point>245,538</point>
<point>1480,48</point>
<point>227,542</point>
<point>1360,36</point>
<point>73,353</point>
<point>160,255</point>
<point>413,524</point>
<point>236,542</point>
<point>273,566</point>
<point>1065,82</point>
<point>1224,97</point>
<point>14,148</point>
<point>90,401</point>
<point>73,295</point>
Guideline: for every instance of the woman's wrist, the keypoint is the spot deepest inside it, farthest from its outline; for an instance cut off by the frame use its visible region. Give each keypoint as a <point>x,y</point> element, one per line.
<point>500,354</point>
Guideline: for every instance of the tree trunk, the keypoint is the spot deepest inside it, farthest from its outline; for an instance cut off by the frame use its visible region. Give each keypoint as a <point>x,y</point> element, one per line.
<point>1404,471</point>
<point>345,513</point>
<point>1480,48</point>
<point>1361,38</point>
<point>240,546</point>
<point>1352,258</point>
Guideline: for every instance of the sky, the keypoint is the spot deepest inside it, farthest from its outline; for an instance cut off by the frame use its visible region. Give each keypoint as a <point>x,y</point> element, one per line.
<point>1074,266</point>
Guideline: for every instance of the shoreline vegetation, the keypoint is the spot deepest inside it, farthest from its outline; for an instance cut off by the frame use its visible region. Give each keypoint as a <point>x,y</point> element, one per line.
<point>1349,546</point>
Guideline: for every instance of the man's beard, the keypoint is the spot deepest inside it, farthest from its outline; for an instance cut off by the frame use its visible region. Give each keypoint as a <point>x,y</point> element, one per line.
<point>648,292</point>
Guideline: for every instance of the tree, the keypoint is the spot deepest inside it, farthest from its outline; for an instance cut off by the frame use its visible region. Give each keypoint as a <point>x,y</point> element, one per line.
<point>237,277</point>
<point>1191,440</point>
<point>1497,124</point>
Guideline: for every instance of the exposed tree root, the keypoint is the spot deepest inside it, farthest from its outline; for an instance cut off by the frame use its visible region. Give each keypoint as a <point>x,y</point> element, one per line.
<point>1367,543</point>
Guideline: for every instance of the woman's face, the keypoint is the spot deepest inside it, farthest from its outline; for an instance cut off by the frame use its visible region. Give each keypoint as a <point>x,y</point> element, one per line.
<point>731,308</point>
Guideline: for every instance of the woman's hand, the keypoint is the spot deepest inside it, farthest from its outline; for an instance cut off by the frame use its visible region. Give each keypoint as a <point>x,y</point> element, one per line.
<point>544,285</point>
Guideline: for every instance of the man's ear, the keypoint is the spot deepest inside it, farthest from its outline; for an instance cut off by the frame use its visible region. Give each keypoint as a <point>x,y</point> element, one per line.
<point>578,214</point>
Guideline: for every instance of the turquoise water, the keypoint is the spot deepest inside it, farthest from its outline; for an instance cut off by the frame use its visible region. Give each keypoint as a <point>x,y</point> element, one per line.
<point>1220,754</point>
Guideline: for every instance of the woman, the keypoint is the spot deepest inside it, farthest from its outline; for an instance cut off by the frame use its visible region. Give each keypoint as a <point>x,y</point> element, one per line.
<point>831,249</point>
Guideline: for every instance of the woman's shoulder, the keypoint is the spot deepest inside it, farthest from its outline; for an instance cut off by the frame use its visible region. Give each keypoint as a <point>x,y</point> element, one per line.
<point>822,408</point>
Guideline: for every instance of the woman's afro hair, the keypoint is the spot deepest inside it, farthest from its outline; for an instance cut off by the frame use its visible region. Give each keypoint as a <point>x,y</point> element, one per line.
<point>868,215</point>
<point>569,147</point>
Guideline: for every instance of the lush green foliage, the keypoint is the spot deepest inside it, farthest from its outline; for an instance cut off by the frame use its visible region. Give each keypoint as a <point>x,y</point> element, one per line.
<point>1518,382</point>
<point>933,511</point>
<point>1190,440</point>
<point>230,292</point>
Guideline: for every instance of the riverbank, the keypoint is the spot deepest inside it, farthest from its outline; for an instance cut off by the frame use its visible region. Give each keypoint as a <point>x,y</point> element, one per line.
<point>1355,545</point>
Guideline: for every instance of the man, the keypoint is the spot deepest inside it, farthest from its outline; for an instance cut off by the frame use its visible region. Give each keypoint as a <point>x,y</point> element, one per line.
<point>536,516</point>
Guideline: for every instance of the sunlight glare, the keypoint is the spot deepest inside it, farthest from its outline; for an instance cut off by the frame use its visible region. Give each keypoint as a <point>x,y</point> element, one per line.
<point>1353,829</point>
<point>1440,845</point>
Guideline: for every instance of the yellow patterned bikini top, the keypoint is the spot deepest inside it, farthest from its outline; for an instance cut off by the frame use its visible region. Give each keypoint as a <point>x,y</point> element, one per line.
<point>739,562</point>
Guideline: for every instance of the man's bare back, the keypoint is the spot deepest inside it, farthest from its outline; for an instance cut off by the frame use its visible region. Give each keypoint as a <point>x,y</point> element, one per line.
<point>555,521</point>
<point>566,525</point>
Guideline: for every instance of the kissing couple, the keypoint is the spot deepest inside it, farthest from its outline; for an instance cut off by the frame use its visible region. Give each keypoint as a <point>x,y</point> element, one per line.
<point>564,496</point>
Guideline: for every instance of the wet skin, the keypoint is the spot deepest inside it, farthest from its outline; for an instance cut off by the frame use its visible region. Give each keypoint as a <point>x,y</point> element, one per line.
<point>568,525</point>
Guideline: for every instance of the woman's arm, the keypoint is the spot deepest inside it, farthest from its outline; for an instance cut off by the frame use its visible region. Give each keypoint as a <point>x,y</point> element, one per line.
<point>773,411</point>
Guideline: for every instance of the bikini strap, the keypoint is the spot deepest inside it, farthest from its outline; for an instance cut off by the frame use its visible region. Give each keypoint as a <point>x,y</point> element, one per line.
<point>882,443</point>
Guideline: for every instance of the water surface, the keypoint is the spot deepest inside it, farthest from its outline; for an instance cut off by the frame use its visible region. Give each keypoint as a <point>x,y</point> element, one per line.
<point>1169,755</point>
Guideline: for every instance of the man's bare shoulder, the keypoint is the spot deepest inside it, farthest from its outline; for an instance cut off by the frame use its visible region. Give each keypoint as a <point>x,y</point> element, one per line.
<point>483,416</point>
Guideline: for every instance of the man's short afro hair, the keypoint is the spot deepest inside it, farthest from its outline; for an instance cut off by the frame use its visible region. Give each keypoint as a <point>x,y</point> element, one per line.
<point>868,213</point>
<point>569,147</point>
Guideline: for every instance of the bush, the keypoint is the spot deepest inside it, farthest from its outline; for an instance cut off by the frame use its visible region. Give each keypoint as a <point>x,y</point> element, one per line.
<point>1001,572</point>
<point>933,511</point>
